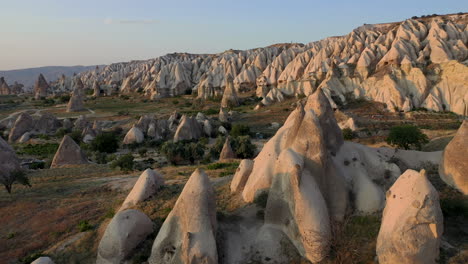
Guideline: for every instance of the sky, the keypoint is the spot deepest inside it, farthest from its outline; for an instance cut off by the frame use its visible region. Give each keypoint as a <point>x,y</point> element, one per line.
<point>37,33</point>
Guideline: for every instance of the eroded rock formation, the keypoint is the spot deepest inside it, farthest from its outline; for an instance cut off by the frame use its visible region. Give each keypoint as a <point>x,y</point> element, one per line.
<point>453,168</point>
<point>188,234</point>
<point>68,153</point>
<point>412,222</point>
<point>410,64</point>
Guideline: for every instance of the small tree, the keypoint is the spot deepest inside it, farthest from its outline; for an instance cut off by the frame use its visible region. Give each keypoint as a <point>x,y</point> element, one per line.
<point>406,136</point>
<point>239,130</point>
<point>125,162</point>
<point>243,147</point>
<point>348,134</point>
<point>12,177</point>
<point>105,142</point>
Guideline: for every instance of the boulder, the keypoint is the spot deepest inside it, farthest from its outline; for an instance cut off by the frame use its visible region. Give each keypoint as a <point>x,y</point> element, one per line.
<point>222,130</point>
<point>67,124</point>
<point>68,153</point>
<point>412,222</point>
<point>368,174</point>
<point>241,175</point>
<point>40,87</point>
<point>207,128</point>
<point>25,137</point>
<point>158,129</point>
<point>188,129</point>
<point>81,123</point>
<point>43,260</point>
<point>453,168</point>
<point>126,230</point>
<point>226,152</point>
<point>134,135</point>
<point>223,115</point>
<point>188,235</point>
<point>24,123</point>
<point>146,186</point>
<point>47,123</point>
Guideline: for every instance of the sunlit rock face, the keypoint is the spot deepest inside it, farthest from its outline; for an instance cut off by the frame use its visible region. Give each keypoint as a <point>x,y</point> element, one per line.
<point>406,65</point>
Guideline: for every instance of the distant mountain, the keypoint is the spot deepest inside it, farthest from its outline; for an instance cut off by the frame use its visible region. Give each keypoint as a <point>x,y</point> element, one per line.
<point>28,76</point>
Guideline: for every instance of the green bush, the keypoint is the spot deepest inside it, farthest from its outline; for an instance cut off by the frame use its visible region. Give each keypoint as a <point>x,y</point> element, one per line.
<point>32,257</point>
<point>100,157</point>
<point>142,152</point>
<point>211,111</point>
<point>43,136</point>
<point>222,165</point>
<point>40,150</point>
<point>61,132</point>
<point>76,135</point>
<point>125,163</point>
<point>63,99</point>
<point>37,165</point>
<point>106,142</point>
<point>407,136</point>
<point>84,226</point>
<point>177,152</point>
<point>240,130</point>
<point>348,134</point>
<point>241,145</point>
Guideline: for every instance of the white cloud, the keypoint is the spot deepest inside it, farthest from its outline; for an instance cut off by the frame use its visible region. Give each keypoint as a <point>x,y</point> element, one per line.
<point>109,21</point>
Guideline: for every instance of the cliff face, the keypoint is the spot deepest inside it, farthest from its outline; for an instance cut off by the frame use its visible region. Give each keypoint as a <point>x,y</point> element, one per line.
<point>409,64</point>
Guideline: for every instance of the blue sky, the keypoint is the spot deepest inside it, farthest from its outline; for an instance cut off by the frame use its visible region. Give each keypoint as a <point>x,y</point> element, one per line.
<point>86,32</point>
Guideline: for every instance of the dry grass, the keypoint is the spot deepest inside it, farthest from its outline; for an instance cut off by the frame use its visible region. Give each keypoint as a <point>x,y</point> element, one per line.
<point>33,219</point>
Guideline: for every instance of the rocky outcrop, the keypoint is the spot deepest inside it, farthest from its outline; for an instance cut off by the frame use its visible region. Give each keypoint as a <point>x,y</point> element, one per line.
<point>297,205</point>
<point>226,152</point>
<point>46,123</point>
<point>68,153</point>
<point>409,64</point>
<point>43,260</point>
<point>96,89</point>
<point>146,186</point>
<point>368,172</point>
<point>241,175</point>
<point>4,88</point>
<point>41,87</point>
<point>319,103</point>
<point>126,230</point>
<point>412,222</point>
<point>134,135</point>
<point>188,129</point>
<point>223,115</point>
<point>23,124</point>
<point>10,161</point>
<point>453,168</point>
<point>188,234</point>
<point>230,98</point>
<point>76,100</point>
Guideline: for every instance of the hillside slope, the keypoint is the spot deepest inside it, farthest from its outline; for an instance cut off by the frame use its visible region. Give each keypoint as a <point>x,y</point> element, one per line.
<point>406,65</point>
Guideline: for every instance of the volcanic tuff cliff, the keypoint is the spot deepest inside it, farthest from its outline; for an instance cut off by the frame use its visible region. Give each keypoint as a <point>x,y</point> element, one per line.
<point>415,63</point>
